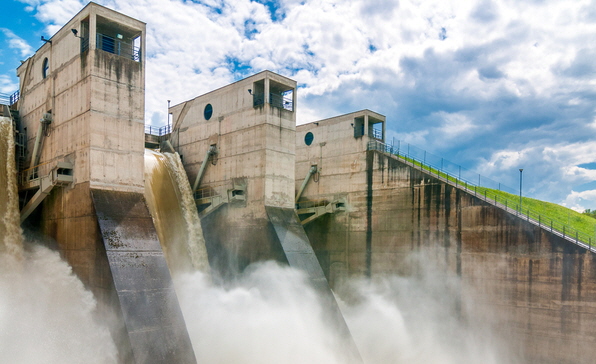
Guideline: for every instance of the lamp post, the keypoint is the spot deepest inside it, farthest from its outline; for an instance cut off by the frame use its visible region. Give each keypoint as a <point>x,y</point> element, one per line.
<point>168,129</point>
<point>520,188</point>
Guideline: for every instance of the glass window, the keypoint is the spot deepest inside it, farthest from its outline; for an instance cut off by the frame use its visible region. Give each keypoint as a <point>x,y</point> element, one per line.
<point>45,67</point>
<point>208,112</point>
<point>308,138</point>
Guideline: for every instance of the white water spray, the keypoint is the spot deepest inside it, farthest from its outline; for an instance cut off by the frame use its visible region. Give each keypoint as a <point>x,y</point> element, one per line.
<point>271,315</point>
<point>46,315</point>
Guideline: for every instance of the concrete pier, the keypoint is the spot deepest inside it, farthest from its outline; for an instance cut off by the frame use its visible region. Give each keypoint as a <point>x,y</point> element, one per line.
<point>87,86</point>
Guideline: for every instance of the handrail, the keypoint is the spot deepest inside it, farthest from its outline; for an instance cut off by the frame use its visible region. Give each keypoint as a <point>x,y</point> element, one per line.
<point>484,193</point>
<point>307,204</point>
<point>116,46</point>
<point>34,173</point>
<point>158,130</point>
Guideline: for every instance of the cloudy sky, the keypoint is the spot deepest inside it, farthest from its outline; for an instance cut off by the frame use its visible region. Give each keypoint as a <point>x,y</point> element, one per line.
<point>492,85</point>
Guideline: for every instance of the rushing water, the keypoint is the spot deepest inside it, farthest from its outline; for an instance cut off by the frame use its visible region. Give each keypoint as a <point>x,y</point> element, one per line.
<point>11,241</point>
<point>173,209</point>
<point>270,314</point>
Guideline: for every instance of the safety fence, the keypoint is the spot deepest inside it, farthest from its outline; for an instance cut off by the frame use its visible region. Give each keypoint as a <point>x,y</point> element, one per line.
<point>481,187</point>
<point>158,130</point>
<point>9,99</point>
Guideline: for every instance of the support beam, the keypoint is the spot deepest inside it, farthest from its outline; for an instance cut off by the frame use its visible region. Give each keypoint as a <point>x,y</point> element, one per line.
<point>311,171</point>
<point>212,150</point>
<point>45,187</point>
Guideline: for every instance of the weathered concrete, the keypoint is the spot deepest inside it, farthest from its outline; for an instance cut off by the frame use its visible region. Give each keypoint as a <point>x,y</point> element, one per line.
<point>253,134</point>
<point>150,309</point>
<point>93,85</point>
<point>300,255</point>
<point>539,289</point>
<point>251,126</point>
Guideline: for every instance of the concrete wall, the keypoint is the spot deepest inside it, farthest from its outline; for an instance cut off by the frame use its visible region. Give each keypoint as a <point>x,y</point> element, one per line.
<point>255,149</point>
<point>94,89</point>
<point>341,162</point>
<point>537,288</point>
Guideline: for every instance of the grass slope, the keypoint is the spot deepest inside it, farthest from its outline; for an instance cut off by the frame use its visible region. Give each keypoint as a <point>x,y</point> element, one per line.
<point>560,218</point>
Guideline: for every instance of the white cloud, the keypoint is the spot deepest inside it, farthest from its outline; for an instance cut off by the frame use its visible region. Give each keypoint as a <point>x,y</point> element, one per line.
<point>500,82</point>
<point>580,201</point>
<point>18,43</point>
<point>6,85</point>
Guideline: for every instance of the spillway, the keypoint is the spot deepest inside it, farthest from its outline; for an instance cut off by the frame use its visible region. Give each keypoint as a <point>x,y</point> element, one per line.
<point>170,201</point>
<point>11,241</point>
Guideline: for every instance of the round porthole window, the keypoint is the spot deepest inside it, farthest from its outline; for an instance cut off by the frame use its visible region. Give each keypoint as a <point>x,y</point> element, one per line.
<point>308,138</point>
<point>45,66</point>
<point>208,112</point>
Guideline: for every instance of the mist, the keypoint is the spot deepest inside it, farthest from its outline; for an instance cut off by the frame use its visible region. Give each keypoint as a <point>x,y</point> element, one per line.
<point>271,315</point>
<point>46,314</point>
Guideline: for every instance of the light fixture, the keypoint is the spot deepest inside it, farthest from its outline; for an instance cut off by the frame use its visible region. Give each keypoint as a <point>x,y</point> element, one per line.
<point>46,40</point>
<point>250,91</point>
<point>76,33</point>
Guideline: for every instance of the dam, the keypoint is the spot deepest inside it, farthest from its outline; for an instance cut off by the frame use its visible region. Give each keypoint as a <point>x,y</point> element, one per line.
<point>237,186</point>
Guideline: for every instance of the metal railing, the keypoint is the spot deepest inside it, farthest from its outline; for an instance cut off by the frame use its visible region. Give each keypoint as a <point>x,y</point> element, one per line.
<point>119,47</point>
<point>15,97</point>
<point>204,192</point>
<point>376,133</point>
<point>158,130</point>
<point>307,204</point>
<point>443,171</point>
<point>6,99</point>
<point>84,44</point>
<point>275,100</point>
<point>33,174</point>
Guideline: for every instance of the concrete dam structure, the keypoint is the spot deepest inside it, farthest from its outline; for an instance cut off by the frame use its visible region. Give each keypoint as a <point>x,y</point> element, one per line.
<point>239,183</point>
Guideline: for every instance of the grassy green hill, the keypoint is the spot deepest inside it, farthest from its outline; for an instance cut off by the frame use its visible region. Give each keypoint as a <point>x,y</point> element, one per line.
<point>560,218</point>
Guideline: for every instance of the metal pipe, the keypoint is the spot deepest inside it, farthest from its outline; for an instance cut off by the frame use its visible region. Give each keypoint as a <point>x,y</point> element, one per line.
<point>311,171</point>
<point>209,153</point>
<point>35,155</point>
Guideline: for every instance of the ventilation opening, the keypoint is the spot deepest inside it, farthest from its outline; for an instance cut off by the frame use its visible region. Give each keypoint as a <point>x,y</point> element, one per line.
<point>281,96</point>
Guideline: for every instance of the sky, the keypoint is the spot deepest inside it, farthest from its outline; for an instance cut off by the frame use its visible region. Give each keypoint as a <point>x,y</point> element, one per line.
<point>493,86</point>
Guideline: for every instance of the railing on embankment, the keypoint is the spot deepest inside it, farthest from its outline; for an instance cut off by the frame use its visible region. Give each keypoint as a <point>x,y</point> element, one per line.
<point>417,159</point>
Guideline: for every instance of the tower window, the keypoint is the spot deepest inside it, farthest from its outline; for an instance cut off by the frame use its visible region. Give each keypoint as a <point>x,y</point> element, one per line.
<point>45,67</point>
<point>308,138</point>
<point>208,112</point>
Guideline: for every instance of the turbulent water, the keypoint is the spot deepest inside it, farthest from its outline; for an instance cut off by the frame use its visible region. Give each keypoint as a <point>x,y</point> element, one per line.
<point>271,315</point>
<point>170,200</point>
<point>46,315</point>
<point>11,241</point>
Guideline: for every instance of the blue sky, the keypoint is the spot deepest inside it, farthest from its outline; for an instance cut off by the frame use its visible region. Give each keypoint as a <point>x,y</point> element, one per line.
<point>492,85</point>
